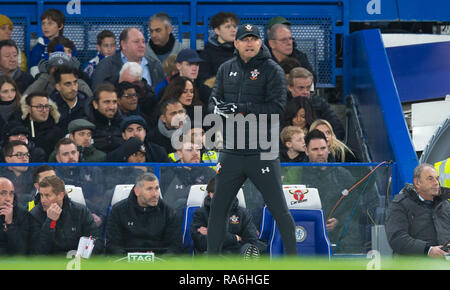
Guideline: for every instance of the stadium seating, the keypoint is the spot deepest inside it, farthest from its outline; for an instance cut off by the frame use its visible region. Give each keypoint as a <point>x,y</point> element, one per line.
<point>75,194</point>
<point>266,227</point>
<point>121,191</point>
<point>306,209</point>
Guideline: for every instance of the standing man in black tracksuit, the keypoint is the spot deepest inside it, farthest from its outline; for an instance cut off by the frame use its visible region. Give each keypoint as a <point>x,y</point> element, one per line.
<point>251,85</point>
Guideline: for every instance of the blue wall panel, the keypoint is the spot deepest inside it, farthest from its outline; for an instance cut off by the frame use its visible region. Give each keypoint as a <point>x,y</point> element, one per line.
<point>421,71</point>
<point>372,83</point>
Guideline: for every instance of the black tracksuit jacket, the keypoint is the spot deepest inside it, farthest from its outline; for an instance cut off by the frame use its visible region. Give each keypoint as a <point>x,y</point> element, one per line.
<point>132,228</point>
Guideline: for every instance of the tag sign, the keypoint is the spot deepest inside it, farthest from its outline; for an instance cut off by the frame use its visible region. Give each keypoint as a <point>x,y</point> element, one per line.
<point>141,257</point>
<point>85,247</point>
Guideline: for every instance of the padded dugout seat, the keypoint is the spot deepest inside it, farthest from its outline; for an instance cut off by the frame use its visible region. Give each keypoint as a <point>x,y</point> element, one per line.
<point>121,191</point>
<point>75,193</point>
<point>310,230</point>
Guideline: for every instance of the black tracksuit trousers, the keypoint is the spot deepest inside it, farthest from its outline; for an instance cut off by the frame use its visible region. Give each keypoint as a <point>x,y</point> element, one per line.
<point>233,170</point>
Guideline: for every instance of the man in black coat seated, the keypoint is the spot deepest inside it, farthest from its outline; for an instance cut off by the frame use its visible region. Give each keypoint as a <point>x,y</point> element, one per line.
<point>57,223</point>
<point>241,237</point>
<point>143,222</point>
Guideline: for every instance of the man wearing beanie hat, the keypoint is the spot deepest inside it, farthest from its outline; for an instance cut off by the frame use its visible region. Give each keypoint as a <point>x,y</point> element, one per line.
<point>44,80</point>
<point>6,29</point>
<point>253,84</point>
<point>131,151</point>
<point>128,152</point>
<point>135,126</point>
<point>80,131</point>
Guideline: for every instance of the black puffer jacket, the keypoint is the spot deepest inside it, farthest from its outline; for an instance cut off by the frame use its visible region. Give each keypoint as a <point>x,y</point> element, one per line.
<point>256,87</point>
<point>131,227</point>
<point>107,135</point>
<point>239,223</point>
<point>412,225</point>
<point>74,222</point>
<point>214,54</point>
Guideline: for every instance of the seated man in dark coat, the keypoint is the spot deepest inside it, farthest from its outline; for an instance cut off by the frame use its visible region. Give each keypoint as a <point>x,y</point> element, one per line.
<point>57,223</point>
<point>143,222</point>
<point>417,221</point>
<point>241,237</point>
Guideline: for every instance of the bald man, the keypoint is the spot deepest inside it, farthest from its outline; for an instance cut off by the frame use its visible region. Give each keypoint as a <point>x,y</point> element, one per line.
<point>13,221</point>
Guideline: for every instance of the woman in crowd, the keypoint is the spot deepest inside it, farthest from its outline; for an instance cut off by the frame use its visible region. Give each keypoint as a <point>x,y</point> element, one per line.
<point>300,113</point>
<point>183,89</point>
<point>9,99</point>
<point>339,151</point>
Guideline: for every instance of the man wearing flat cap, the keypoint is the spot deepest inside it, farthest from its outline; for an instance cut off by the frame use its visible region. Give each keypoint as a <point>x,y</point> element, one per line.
<point>80,131</point>
<point>253,85</point>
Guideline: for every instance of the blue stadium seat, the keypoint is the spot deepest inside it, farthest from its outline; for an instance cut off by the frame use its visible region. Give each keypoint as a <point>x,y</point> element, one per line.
<point>195,199</point>
<point>267,221</point>
<point>311,234</point>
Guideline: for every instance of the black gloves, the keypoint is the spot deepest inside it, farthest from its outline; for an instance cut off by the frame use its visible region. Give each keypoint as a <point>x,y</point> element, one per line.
<point>223,109</point>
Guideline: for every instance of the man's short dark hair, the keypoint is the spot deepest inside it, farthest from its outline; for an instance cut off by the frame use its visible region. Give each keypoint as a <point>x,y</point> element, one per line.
<point>8,42</point>
<point>64,141</point>
<point>104,34</point>
<point>62,70</point>
<point>104,87</point>
<point>39,170</point>
<point>55,15</point>
<point>166,102</point>
<point>314,134</point>
<point>35,94</point>
<point>123,86</point>
<point>221,17</point>
<point>8,149</point>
